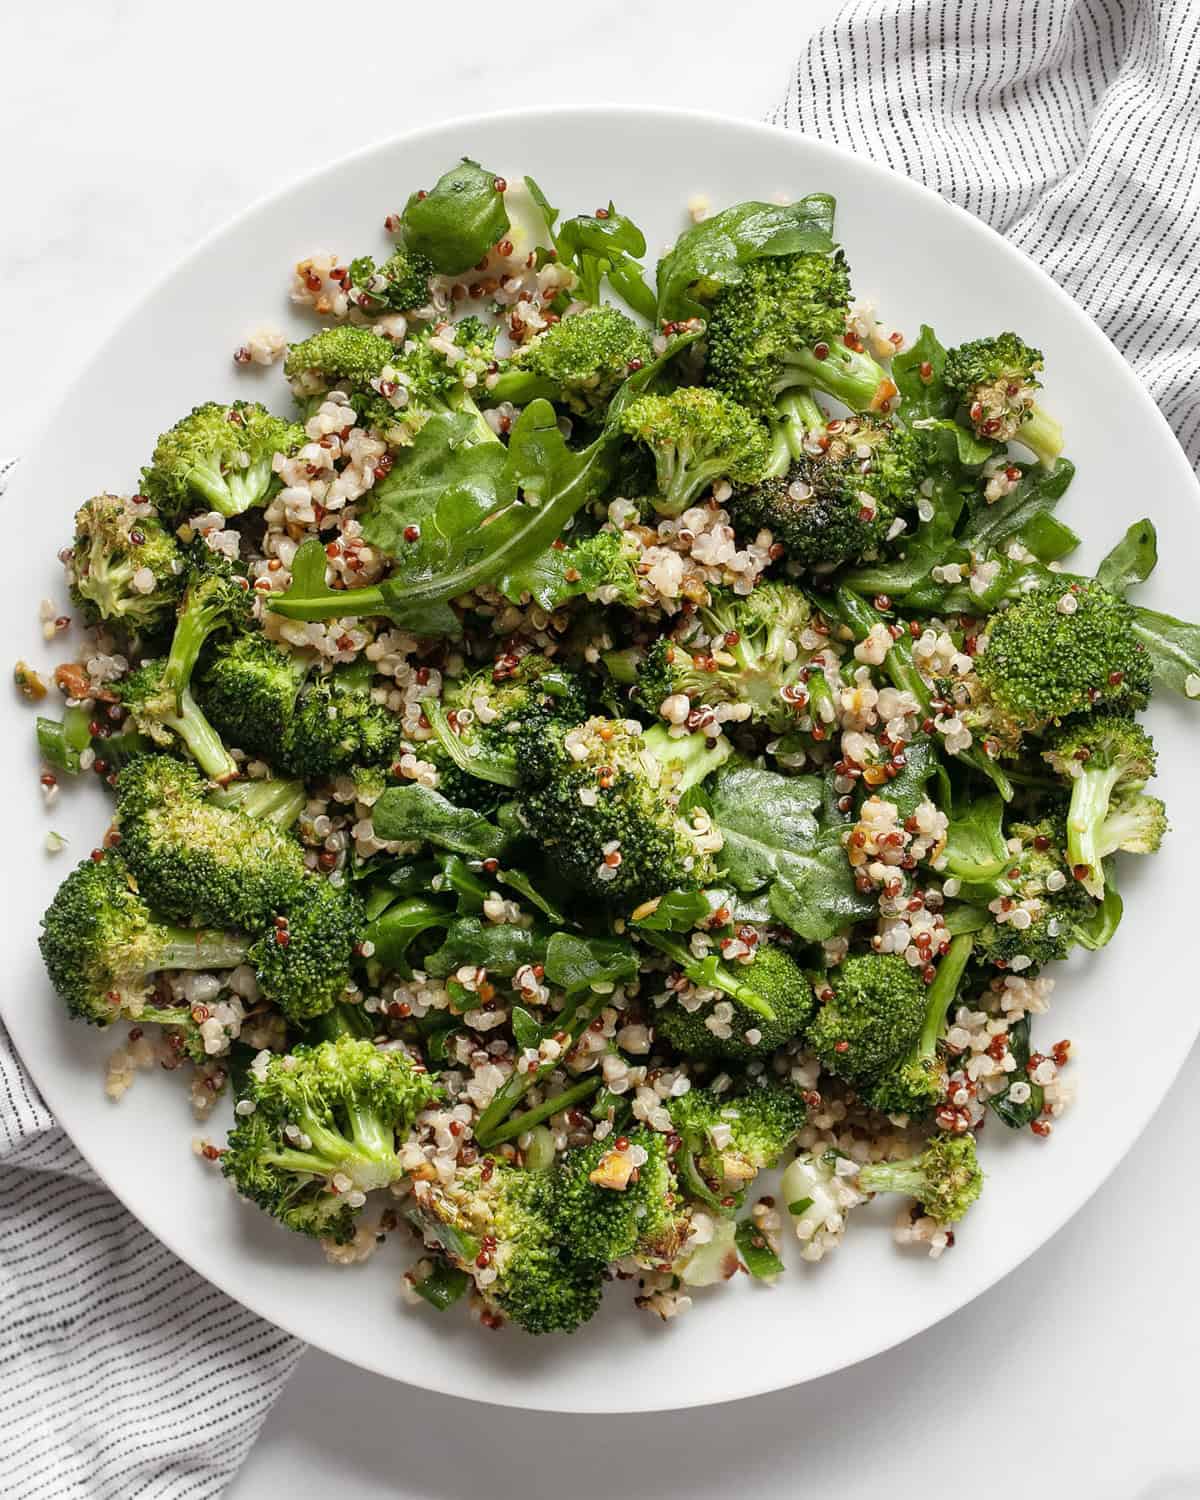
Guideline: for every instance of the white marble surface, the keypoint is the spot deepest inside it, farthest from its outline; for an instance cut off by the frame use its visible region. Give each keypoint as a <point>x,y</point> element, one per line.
<point>131,128</point>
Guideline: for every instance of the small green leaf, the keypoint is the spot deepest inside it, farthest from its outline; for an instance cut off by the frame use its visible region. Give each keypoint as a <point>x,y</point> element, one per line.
<point>459,220</point>
<point>418,813</point>
<point>923,390</point>
<point>444,1285</point>
<point>676,911</point>
<point>800,1206</point>
<point>575,963</point>
<point>1132,560</point>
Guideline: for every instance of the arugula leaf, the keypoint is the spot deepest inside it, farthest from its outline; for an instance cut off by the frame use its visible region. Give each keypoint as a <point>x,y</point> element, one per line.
<point>575,963</point>
<point>394,931</point>
<point>774,842</point>
<point>976,848</point>
<point>527,1031</point>
<point>1174,649</point>
<point>1132,560</point>
<point>921,764</point>
<point>454,874</point>
<point>929,546</point>
<point>712,254</point>
<point>954,441</point>
<point>459,220</point>
<point>611,247</point>
<point>1037,492</point>
<point>525,887</point>
<point>923,395</point>
<point>416,812</point>
<point>1016,1116</point>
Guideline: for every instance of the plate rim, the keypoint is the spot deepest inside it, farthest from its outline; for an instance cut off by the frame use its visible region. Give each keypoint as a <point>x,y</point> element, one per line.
<point>1068,1204</point>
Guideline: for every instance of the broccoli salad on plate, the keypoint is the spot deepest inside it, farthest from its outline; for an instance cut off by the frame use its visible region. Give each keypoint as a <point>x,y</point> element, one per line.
<point>608,733</point>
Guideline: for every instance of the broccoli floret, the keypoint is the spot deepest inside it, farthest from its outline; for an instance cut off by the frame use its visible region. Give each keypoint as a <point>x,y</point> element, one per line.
<point>838,498</point>
<point>773,977</point>
<point>336,724</point>
<point>873,1019</point>
<point>349,360</point>
<point>128,569</point>
<point>578,362</point>
<point>603,798</point>
<point>918,1084</point>
<point>173,721</point>
<point>945,1179</point>
<point>612,1200</point>
<point>1040,883</point>
<point>102,944</point>
<point>397,284</point>
<point>784,324</point>
<point>697,437</point>
<point>1105,757</point>
<point>994,380</point>
<point>748,655</point>
<point>502,1215</point>
<point>479,717</point>
<point>725,1142</point>
<point>217,598</point>
<point>218,458</point>
<point>427,377</point>
<point>323,1132</point>
<point>604,567</point>
<point>203,863</point>
<point>303,962</point>
<point>1057,651</point>
<point>249,691</point>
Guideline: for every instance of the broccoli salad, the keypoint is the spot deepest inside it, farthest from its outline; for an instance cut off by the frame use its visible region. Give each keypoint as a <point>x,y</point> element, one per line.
<point>608,733</point>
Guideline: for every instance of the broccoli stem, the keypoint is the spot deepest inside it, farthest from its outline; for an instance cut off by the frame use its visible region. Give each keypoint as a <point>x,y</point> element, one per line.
<point>680,482</point>
<point>484,766</point>
<point>267,801</point>
<point>713,975</point>
<point>519,1124</point>
<point>368,1157</point>
<point>942,992</point>
<point>1091,793</point>
<point>202,740</point>
<point>906,1176</point>
<point>196,621</point>
<point>848,375</point>
<point>200,948</point>
<point>210,483</point>
<point>686,759</point>
<point>796,415</point>
<point>1042,435</point>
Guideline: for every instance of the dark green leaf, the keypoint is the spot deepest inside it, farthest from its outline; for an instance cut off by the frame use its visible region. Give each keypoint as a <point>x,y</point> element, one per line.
<point>1037,491</point>
<point>1099,930</point>
<point>444,1285</point>
<point>712,254</point>
<point>921,764</point>
<point>500,949</point>
<point>527,1031</point>
<point>393,931</point>
<point>923,395</point>
<point>757,1256</point>
<point>1132,560</point>
<point>575,963</point>
<point>976,848</point>
<point>676,911</point>
<point>521,883</point>
<point>955,443</point>
<point>959,917</point>
<point>773,841</point>
<point>459,220</point>
<point>1017,1116</point>
<point>454,874</point>
<point>415,812</point>
<point>1174,648</point>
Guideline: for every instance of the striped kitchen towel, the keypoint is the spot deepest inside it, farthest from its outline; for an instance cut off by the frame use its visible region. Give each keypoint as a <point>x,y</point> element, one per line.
<point>1071,126</point>
<point>122,1372</point>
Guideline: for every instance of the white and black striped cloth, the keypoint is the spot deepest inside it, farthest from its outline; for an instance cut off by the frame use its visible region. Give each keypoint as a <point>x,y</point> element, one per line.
<point>1071,126</point>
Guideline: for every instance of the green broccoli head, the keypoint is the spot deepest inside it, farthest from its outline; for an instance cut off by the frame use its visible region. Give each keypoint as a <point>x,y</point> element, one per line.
<point>839,497</point>
<point>439,372</point>
<point>1061,650</point>
<point>706,1032</point>
<point>398,284</point>
<point>203,863</point>
<point>617,1198</point>
<point>218,458</point>
<point>495,1223</point>
<point>916,1084</point>
<point>303,962</point>
<point>784,324</point>
<point>697,437</point>
<point>102,944</point>
<point>873,1019</point>
<point>945,1178</point>
<point>603,798</point>
<point>578,362</point>
<point>336,724</point>
<point>128,569</point>
<point>994,380</point>
<point>725,1142</point>
<point>1108,758</point>
<point>323,1132</point>
<point>249,690</point>
<point>174,723</point>
<point>348,356</point>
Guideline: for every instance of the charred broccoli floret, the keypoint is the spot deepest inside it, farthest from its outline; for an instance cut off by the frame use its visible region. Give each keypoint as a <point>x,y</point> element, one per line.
<point>336,724</point>
<point>249,690</point>
<point>874,1018</point>
<point>697,437</point>
<point>323,1132</point>
<point>102,945</point>
<point>610,1201</point>
<point>945,1178</point>
<point>603,798</point>
<point>578,362</point>
<point>726,1142</point>
<point>218,458</point>
<point>502,1216</point>
<point>784,324</point>
<point>1108,759</point>
<point>127,569</point>
<point>398,284</point>
<point>994,380</point>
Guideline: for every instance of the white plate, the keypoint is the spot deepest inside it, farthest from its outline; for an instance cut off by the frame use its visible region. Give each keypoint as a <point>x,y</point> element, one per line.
<point>1130,1011</point>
